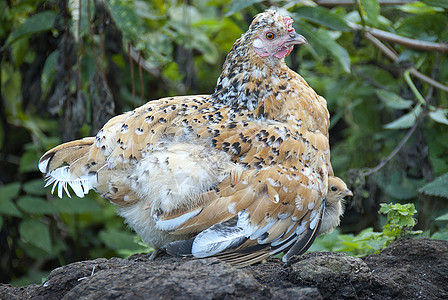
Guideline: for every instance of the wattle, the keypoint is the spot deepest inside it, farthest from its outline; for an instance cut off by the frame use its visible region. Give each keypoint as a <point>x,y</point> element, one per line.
<point>283,52</point>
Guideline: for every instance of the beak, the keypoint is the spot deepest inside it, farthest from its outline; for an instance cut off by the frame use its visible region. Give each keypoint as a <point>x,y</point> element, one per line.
<point>296,39</point>
<point>347,192</point>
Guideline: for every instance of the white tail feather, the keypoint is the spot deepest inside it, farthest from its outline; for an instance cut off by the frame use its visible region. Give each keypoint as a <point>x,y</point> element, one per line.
<point>221,237</point>
<point>61,177</point>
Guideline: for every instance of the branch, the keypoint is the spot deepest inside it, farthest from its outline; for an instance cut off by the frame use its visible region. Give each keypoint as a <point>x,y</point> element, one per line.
<point>393,153</point>
<point>333,3</point>
<point>407,42</point>
<point>394,57</point>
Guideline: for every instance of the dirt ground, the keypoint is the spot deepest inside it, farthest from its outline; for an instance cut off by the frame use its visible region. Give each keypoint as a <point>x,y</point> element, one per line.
<point>407,269</point>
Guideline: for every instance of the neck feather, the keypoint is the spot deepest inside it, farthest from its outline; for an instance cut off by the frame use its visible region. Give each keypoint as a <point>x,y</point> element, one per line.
<point>248,80</point>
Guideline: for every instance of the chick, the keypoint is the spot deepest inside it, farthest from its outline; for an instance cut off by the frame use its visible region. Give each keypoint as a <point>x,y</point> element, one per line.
<point>334,209</point>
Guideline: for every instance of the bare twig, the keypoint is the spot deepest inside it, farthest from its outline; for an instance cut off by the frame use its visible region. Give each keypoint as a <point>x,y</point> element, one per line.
<point>134,54</point>
<point>393,153</point>
<point>333,3</point>
<point>407,42</point>
<point>429,80</point>
<point>394,57</point>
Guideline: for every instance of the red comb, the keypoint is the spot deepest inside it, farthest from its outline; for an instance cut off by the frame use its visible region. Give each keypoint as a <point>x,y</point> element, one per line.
<point>288,22</point>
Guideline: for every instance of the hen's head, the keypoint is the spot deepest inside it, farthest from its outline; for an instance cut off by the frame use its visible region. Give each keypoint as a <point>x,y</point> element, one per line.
<point>258,53</point>
<point>272,35</point>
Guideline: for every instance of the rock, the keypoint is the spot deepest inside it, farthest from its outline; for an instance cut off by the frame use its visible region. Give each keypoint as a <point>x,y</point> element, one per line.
<point>336,275</point>
<point>411,269</point>
<point>407,269</point>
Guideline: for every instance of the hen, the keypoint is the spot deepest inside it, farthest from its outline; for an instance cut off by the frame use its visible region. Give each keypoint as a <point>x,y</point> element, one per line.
<point>241,174</point>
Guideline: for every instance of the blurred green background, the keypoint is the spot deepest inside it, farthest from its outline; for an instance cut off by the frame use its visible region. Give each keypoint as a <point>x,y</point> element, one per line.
<point>68,66</point>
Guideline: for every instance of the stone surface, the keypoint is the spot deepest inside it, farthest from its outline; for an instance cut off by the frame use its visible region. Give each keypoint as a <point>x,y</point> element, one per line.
<point>407,269</point>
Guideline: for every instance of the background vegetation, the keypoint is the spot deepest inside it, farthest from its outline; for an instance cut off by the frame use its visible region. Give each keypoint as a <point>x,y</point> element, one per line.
<point>68,66</point>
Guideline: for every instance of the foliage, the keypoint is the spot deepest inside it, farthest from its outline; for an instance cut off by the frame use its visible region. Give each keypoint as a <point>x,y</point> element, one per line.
<point>399,223</point>
<point>65,69</point>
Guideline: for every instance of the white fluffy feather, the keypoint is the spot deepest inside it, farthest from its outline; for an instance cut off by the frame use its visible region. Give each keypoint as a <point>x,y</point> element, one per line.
<point>62,178</point>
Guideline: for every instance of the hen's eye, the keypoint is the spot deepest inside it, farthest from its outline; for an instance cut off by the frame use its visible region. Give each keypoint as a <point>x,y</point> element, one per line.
<point>270,35</point>
<point>334,189</point>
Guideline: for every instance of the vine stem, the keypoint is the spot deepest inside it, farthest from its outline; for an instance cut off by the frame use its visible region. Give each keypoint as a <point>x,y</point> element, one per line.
<point>132,73</point>
<point>78,35</point>
<point>393,153</point>
<point>411,85</point>
<point>140,74</point>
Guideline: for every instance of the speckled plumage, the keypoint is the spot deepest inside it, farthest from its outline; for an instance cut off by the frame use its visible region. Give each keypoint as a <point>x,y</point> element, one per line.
<point>242,173</point>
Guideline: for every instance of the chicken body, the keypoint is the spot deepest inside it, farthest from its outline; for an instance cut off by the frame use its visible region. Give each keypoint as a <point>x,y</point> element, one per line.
<point>242,173</point>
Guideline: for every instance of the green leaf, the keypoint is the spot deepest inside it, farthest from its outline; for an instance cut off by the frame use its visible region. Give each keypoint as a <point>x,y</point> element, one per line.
<point>442,217</point>
<point>372,10</point>
<point>422,26</point>
<point>405,121</point>
<point>437,187</point>
<point>321,39</point>
<point>74,9</point>
<point>8,208</point>
<point>439,115</point>
<point>419,8</point>
<point>40,22</point>
<point>126,19</point>
<point>35,187</point>
<point>392,100</point>
<point>441,235</point>
<point>35,205</point>
<point>35,233</point>
<point>12,87</point>
<point>19,51</point>
<point>401,188</point>
<point>238,5</point>
<point>203,44</point>
<point>116,239</point>
<point>437,3</point>
<point>339,53</point>
<point>76,205</point>
<point>322,16</point>
<point>9,191</point>
<point>28,161</point>
<point>48,71</point>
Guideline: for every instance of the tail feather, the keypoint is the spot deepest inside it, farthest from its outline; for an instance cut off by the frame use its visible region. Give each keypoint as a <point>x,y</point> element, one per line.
<point>64,167</point>
<point>65,154</point>
<point>61,178</point>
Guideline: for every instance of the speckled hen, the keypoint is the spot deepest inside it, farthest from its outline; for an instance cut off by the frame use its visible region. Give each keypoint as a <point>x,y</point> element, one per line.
<point>241,174</point>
